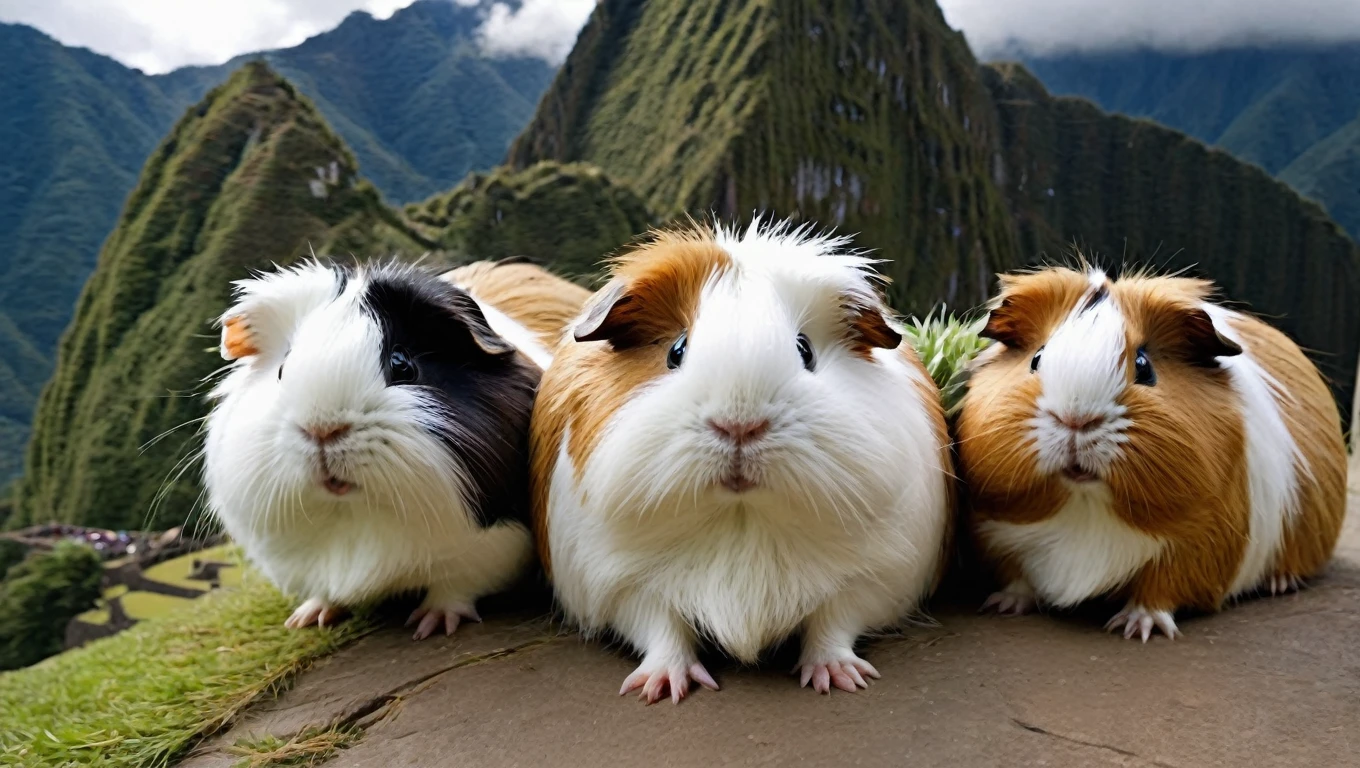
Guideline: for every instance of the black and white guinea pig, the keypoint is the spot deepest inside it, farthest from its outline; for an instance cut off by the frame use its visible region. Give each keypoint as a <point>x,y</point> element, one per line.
<point>371,437</point>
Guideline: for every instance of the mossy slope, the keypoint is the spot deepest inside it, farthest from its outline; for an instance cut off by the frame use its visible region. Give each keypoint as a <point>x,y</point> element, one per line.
<point>566,217</point>
<point>868,116</point>
<point>252,176</point>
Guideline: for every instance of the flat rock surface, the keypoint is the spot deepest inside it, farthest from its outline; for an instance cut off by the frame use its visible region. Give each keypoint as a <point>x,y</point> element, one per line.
<point>1269,682</point>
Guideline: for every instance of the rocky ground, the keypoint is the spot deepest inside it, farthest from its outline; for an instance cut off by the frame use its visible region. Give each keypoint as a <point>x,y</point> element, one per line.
<point>1270,682</point>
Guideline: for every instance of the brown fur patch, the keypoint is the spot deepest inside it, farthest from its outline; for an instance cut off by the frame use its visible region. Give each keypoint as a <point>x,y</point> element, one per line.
<point>1031,305</point>
<point>529,294</point>
<point>654,296</point>
<point>237,341</point>
<point>869,330</point>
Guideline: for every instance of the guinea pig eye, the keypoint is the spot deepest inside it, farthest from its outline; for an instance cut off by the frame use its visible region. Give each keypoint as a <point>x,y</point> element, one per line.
<point>677,353</point>
<point>401,368</point>
<point>1142,369</point>
<point>280,371</point>
<point>1034,361</point>
<point>805,351</point>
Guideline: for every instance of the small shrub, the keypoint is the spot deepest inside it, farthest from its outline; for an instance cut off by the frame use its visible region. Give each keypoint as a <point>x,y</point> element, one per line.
<point>38,599</point>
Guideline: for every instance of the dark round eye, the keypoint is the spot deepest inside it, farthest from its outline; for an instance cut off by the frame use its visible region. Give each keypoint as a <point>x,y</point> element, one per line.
<point>1142,369</point>
<point>805,351</point>
<point>677,354</point>
<point>1034,361</point>
<point>401,369</point>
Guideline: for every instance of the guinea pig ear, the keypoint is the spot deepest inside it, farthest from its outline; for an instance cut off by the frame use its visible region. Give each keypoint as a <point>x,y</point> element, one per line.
<point>870,329</point>
<point>468,312</point>
<point>1006,324</point>
<point>1204,344</point>
<point>237,339</point>
<point>610,314</point>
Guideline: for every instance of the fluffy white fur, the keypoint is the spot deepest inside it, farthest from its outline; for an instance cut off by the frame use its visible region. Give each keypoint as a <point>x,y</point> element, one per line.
<point>1081,552</point>
<point>842,534</point>
<point>1273,458</point>
<point>405,525</point>
<point>1084,550</point>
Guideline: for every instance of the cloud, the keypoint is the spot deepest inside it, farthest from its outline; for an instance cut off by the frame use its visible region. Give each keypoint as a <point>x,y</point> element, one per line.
<point>1048,26</point>
<point>543,28</point>
<point>160,35</point>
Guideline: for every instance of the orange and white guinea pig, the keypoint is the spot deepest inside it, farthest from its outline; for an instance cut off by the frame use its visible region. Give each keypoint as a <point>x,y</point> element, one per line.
<point>736,446</point>
<point>1131,439</point>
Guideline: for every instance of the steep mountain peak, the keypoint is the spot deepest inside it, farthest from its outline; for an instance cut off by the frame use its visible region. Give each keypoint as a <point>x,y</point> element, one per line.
<point>865,115</point>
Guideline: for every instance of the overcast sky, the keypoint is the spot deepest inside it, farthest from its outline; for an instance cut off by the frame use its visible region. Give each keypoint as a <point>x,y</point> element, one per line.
<point>159,35</point>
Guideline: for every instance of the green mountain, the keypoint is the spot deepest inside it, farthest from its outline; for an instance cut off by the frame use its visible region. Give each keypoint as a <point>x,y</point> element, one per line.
<point>76,126</point>
<point>873,115</point>
<point>870,116</point>
<point>567,216</point>
<point>1293,110</point>
<point>252,176</point>
<point>412,95</point>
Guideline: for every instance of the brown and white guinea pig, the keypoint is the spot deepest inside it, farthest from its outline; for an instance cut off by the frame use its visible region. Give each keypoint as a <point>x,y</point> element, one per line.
<point>371,436</point>
<point>735,445</point>
<point>1131,439</point>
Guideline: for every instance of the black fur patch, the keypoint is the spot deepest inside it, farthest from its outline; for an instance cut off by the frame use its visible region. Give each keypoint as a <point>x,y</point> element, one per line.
<point>485,389</point>
<point>1100,294</point>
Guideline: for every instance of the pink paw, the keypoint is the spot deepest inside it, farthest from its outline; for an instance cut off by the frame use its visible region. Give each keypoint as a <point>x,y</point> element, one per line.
<point>847,672</point>
<point>315,611</point>
<point>1137,620</point>
<point>431,617</point>
<point>655,679</point>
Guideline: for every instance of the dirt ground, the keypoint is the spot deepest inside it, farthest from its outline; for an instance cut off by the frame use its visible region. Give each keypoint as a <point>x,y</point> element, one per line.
<point>1269,682</point>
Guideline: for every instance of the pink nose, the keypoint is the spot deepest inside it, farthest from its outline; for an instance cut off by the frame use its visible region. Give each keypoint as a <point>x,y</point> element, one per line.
<point>740,432</point>
<point>321,434</point>
<point>1080,422</point>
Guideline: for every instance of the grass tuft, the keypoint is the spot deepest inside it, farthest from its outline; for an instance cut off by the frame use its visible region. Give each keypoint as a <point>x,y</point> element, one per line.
<point>140,698</point>
<point>308,748</point>
<point>946,344</point>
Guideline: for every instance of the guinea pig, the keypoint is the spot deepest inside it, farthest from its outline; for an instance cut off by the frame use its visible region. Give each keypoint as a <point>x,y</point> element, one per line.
<point>733,444</point>
<point>1131,439</point>
<point>370,436</point>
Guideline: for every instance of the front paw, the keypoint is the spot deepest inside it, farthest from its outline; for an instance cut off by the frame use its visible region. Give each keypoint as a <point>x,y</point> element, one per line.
<point>434,613</point>
<point>842,669</point>
<point>656,676</point>
<point>315,611</point>
<point>1016,599</point>
<point>1137,620</point>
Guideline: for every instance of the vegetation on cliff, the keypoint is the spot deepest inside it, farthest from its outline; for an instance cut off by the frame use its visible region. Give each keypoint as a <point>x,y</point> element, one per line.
<point>1294,110</point>
<point>565,217</point>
